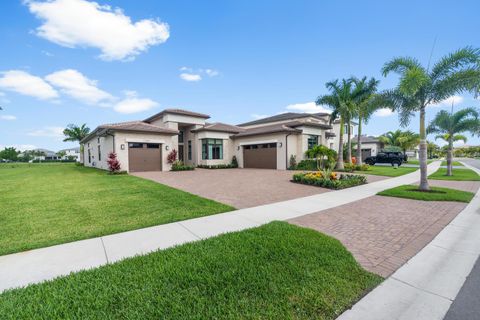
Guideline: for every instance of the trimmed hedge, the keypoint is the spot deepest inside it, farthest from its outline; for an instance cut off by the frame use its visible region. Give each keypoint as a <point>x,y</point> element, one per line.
<point>51,161</point>
<point>182,168</point>
<point>342,182</point>
<point>309,164</point>
<point>217,166</point>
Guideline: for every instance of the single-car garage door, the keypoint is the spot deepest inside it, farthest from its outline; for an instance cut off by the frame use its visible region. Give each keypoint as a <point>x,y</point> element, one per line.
<point>263,156</point>
<point>144,157</point>
<point>366,153</point>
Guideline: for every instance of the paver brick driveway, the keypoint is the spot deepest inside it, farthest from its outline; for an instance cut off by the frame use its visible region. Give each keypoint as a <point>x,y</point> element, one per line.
<point>240,188</point>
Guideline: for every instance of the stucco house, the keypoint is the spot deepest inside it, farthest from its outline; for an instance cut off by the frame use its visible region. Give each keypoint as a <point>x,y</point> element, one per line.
<point>264,143</point>
<point>72,153</point>
<point>370,145</point>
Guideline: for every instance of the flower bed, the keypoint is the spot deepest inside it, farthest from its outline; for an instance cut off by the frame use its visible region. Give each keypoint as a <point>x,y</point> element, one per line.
<point>217,166</point>
<point>334,181</point>
<point>180,166</point>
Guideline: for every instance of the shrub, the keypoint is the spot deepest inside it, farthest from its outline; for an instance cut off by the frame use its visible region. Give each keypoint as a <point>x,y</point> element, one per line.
<point>113,163</point>
<point>217,166</point>
<point>333,182</point>
<point>293,162</point>
<point>363,167</point>
<point>308,164</point>
<point>234,162</point>
<point>179,166</point>
<point>349,167</point>
<point>172,156</point>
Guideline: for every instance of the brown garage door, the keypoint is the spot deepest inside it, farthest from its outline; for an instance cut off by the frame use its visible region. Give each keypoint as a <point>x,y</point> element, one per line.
<point>366,153</point>
<point>144,157</point>
<point>263,156</point>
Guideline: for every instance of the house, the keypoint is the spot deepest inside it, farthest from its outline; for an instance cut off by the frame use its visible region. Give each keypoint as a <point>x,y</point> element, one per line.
<point>44,154</point>
<point>264,143</point>
<point>72,153</point>
<point>370,145</point>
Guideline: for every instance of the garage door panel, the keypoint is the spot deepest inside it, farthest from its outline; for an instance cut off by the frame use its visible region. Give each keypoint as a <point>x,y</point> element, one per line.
<point>148,157</point>
<point>257,156</point>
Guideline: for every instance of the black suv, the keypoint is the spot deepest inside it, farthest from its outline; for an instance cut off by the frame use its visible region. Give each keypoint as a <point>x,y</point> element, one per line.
<point>386,157</point>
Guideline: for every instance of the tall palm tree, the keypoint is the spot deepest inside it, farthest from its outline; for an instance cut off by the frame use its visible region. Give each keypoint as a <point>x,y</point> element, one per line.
<point>402,139</point>
<point>419,86</point>
<point>75,133</point>
<point>340,100</point>
<point>391,138</point>
<point>366,103</point>
<point>450,126</point>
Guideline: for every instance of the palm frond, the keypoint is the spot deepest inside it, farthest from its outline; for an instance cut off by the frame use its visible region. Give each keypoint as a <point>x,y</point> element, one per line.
<point>462,58</point>
<point>400,65</point>
<point>467,80</point>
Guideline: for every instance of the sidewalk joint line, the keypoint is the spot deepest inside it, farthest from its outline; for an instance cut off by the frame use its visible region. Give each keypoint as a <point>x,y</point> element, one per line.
<point>104,249</point>
<point>190,231</point>
<point>426,291</point>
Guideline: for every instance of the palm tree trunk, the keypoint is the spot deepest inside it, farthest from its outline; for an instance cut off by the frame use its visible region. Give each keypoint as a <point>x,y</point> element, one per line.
<point>340,165</point>
<point>359,145</point>
<point>450,156</point>
<point>349,144</point>
<point>423,153</point>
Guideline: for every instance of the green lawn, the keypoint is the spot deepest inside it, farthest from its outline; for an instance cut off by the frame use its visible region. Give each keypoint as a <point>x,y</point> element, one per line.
<point>46,204</point>
<point>388,171</point>
<point>436,194</point>
<point>458,175</point>
<point>454,163</point>
<point>415,161</point>
<point>277,271</point>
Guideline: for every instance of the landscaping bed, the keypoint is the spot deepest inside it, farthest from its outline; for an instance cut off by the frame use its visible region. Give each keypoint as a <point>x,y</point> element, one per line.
<point>217,166</point>
<point>276,271</point>
<point>333,181</point>
<point>47,204</point>
<point>435,194</point>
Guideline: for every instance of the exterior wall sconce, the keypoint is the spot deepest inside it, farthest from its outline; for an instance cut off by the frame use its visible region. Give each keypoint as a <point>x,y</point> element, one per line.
<point>122,146</point>
<point>166,148</point>
<point>238,148</point>
<point>280,144</point>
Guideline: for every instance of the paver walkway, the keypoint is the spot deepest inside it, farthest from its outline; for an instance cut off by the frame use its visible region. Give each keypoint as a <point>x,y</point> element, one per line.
<point>383,232</point>
<point>46,263</point>
<point>240,188</point>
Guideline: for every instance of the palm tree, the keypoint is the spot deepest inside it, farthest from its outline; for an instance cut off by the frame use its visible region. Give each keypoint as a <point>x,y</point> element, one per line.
<point>408,140</point>
<point>418,87</point>
<point>450,126</point>
<point>366,103</point>
<point>75,133</point>
<point>340,100</point>
<point>432,148</point>
<point>391,138</point>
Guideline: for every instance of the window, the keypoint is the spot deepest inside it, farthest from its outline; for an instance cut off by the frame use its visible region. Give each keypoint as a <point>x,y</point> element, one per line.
<point>153,145</point>
<point>189,150</point>
<point>212,149</point>
<point>89,157</point>
<point>180,136</point>
<point>312,141</point>
<point>99,154</point>
<point>98,140</point>
<point>135,145</point>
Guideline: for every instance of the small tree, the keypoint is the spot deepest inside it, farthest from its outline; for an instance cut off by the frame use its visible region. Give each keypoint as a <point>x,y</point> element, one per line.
<point>113,163</point>
<point>9,154</point>
<point>321,153</point>
<point>172,156</point>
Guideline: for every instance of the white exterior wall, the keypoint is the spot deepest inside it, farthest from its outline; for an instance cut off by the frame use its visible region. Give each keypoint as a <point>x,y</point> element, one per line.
<point>123,138</point>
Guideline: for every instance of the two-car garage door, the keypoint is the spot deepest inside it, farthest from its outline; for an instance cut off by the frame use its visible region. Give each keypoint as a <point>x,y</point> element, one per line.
<point>144,157</point>
<point>263,156</point>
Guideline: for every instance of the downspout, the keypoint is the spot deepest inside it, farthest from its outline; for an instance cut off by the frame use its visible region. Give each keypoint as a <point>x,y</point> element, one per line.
<point>113,139</point>
<point>286,151</point>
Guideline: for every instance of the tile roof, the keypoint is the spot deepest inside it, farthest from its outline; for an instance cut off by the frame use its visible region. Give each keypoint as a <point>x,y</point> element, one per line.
<point>285,116</point>
<point>220,127</point>
<point>177,111</point>
<point>367,139</point>
<point>279,127</point>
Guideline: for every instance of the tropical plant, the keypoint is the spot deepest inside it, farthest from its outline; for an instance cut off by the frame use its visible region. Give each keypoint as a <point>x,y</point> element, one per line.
<point>450,126</point>
<point>366,103</point>
<point>321,153</point>
<point>75,133</point>
<point>113,163</point>
<point>340,100</point>
<point>61,154</point>
<point>433,149</point>
<point>419,87</point>
<point>172,156</point>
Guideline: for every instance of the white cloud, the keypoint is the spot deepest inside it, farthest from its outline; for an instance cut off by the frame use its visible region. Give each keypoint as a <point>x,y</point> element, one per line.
<point>52,132</point>
<point>308,107</point>
<point>383,112</point>
<point>448,102</point>
<point>190,77</point>
<point>7,117</point>
<point>211,72</point>
<point>24,83</point>
<point>81,23</point>
<point>76,85</point>
<point>133,104</point>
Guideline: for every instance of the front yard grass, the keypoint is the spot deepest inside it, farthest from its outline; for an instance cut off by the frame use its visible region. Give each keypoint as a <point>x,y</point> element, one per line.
<point>458,175</point>
<point>47,204</point>
<point>277,271</point>
<point>415,161</point>
<point>435,194</point>
<point>388,171</point>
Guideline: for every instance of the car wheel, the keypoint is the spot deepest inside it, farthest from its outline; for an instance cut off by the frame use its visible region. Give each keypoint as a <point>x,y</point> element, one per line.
<point>395,162</point>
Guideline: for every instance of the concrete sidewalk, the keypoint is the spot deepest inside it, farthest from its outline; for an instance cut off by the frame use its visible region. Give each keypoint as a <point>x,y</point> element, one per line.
<point>426,285</point>
<point>34,266</point>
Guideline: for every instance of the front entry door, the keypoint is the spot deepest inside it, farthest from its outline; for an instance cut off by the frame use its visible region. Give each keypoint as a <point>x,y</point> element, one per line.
<point>181,152</point>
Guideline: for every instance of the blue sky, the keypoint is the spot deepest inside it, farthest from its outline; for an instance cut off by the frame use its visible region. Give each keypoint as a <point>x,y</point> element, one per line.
<point>71,61</point>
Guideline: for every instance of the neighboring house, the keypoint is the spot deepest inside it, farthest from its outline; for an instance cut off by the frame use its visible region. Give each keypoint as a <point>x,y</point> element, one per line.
<point>265,143</point>
<point>47,155</point>
<point>370,146</point>
<point>71,153</point>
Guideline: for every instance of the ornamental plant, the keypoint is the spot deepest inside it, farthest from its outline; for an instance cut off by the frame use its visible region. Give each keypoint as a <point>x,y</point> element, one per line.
<point>113,163</point>
<point>172,156</point>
